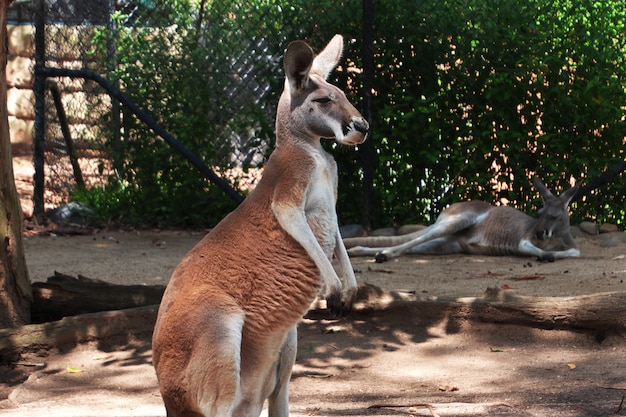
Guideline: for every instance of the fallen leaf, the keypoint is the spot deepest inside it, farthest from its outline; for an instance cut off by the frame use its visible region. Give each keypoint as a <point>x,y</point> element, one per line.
<point>506,287</point>
<point>448,388</point>
<point>496,350</point>
<point>571,365</point>
<point>73,370</point>
<point>618,257</point>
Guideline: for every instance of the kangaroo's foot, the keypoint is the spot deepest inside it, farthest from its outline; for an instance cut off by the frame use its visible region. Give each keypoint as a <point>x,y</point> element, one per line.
<point>381,257</point>
<point>548,257</point>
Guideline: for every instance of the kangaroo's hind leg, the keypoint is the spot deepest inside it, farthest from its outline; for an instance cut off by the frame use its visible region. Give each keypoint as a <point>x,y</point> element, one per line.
<point>279,399</point>
<point>440,246</point>
<point>211,377</point>
<point>453,220</point>
<point>266,362</point>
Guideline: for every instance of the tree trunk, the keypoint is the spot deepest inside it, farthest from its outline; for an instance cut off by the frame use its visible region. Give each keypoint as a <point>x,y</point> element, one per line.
<point>600,314</point>
<point>15,289</point>
<point>596,314</point>
<point>63,296</point>
<point>74,330</point>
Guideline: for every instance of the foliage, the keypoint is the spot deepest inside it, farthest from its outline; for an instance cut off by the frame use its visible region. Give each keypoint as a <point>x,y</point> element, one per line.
<point>471,97</point>
<point>189,69</point>
<point>117,203</point>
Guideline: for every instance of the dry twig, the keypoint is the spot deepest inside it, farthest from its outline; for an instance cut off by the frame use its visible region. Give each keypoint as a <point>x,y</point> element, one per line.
<point>417,405</point>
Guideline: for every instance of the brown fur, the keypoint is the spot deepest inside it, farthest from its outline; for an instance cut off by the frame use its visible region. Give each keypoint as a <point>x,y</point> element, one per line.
<point>225,336</point>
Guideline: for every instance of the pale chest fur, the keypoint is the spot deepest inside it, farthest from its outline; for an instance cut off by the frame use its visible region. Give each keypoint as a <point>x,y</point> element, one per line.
<point>321,198</point>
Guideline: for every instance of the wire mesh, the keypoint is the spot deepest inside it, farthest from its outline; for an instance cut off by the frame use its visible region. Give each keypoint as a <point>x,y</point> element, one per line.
<point>71,32</point>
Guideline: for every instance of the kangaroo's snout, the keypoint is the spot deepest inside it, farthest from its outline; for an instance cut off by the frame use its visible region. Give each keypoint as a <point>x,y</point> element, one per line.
<point>356,131</point>
<point>543,234</point>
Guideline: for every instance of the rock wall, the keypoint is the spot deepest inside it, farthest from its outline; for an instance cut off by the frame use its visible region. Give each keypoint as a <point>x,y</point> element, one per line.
<point>67,47</point>
<point>20,97</point>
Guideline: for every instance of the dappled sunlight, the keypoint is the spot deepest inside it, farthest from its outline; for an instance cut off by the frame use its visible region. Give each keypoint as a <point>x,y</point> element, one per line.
<point>320,351</point>
<point>114,377</point>
<point>477,370</point>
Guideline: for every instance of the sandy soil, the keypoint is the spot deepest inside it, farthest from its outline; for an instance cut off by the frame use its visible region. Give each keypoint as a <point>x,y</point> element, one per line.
<point>145,257</point>
<point>346,366</point>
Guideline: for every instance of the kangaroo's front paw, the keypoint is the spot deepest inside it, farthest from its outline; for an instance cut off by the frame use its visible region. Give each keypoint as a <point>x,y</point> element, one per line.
<point>333,303</point>
<point>548,257</point>
<point>340,303</point>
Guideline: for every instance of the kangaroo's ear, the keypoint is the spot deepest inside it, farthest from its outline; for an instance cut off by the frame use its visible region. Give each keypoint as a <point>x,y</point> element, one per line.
<point>327,60</point>
<point>543,190</point>
<point>298,62</point>
<point>569,194</point>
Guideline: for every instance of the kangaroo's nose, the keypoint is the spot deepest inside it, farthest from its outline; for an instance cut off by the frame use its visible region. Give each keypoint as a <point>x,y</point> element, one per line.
<point>541,234</point>
<point>361,124</point>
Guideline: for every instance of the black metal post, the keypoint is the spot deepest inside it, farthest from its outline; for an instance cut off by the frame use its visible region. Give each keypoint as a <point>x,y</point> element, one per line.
<point>116,111</point>
<point>368,154</point>
<point>39,89</point>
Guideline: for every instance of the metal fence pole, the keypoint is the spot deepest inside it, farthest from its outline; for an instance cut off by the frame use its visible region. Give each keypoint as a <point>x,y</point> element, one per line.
<point>368,155</point>
<point>116,111</point>
<point>39,89</point>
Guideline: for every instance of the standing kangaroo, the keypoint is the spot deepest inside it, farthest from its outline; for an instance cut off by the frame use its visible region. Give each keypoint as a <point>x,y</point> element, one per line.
<point>225,336</point>
<point>478,228</point>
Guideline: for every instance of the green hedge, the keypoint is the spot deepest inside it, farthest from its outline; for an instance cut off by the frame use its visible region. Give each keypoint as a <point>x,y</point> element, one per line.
<point>467,95</point>
<point>472,92</point>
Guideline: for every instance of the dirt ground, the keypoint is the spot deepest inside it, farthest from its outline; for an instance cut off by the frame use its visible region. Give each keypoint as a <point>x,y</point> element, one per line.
<point>391,363</point>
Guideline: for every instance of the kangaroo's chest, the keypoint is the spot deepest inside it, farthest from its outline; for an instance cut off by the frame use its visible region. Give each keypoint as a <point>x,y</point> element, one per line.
<point>320,202</point>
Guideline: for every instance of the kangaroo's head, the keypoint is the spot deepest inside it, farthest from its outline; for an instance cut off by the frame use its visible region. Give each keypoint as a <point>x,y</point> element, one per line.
<point>553,217</point>
<point>310,108</point>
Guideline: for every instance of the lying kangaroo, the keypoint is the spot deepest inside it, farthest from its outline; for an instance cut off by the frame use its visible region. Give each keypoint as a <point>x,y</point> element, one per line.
<point>478,228</point>
<point>225,337</point>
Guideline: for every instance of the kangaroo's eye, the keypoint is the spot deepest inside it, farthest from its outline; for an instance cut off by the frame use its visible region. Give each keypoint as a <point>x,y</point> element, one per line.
<point>323,100</point>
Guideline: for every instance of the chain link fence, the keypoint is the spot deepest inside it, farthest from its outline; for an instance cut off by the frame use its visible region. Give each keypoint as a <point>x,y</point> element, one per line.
<point>72,140</point>
<point>82,127</point>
